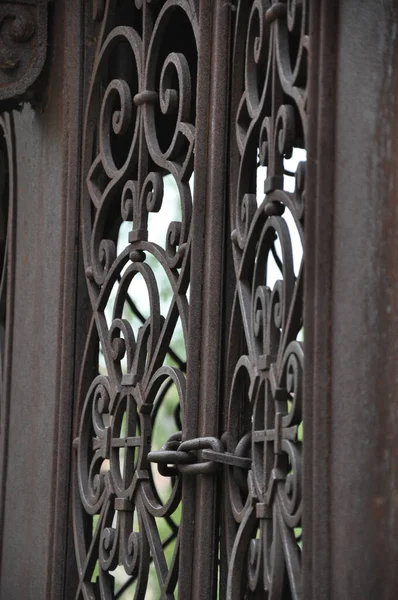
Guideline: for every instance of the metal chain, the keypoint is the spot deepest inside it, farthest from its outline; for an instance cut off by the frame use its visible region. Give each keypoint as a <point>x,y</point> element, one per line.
<point>197,456</point>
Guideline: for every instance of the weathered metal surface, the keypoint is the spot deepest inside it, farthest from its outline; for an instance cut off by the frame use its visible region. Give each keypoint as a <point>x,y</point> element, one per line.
<point>318,298</point>
<point>141,124</point>
<point>350,486</point>
<point>225,90</point>
<point>139,128</point>
<point>36,452</point>
<point>264,507</point>
<point>364,329</point>
<point>23,50</point>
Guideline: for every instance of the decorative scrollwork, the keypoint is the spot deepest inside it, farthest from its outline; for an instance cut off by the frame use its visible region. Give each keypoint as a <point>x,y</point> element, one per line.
<point>23,49</point>
<point>268,206</point>
<point>139,140</point>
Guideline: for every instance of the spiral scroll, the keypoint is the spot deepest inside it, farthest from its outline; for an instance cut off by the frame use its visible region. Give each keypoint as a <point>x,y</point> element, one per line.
<point>139,139</point>
<point>264,507</point>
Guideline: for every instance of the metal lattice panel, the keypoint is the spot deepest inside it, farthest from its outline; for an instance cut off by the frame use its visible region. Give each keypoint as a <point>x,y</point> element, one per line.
<point>139,138</point>
<point>267,206</point>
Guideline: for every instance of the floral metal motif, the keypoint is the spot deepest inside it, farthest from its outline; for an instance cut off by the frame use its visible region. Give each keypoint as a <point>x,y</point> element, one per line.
<point>139,135</point>
<point>265,348</point>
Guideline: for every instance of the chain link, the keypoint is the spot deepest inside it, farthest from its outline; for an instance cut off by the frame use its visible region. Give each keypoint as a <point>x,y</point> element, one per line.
<point>197,456</point>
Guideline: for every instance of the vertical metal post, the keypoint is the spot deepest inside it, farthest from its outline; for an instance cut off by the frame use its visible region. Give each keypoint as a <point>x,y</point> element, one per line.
<point>205,554</point>
<point>351,420</point>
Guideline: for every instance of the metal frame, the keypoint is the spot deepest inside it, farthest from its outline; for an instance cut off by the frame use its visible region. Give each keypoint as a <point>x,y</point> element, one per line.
<point>38,407</point>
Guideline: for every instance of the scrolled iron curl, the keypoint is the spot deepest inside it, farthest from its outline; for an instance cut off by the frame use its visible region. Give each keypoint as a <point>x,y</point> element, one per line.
<point>247,208</point>
<point>103,254</point>
<point>120,346</point>
<point>89,461</point>
<point>277,304</point>
<point>175,251</point>
<point>270,307</point>
<point>260,310</point>
<point>100,406</point>
<point>293,375</point>
<point>175,87</point>
<point>258,46</point>
<point>257,56</point>
<point>129,200</point>
<point>290,490</point>
<point>121,544</point>
<point>175,101</point>
<point>132,553</point>
<point>152,327</point>
<point>268,310</point>
<point>299,196</point>
<point>94,493</point>
<point>292,46</point>
<point>95,490</point>
<point>106,257</point>
<point>292,378</point>
<point>265,139</point>
<point>153,190</point>
<point>108,548</point>
<point>285,130</point>
<point>119,120</point>
<point>136,206</point>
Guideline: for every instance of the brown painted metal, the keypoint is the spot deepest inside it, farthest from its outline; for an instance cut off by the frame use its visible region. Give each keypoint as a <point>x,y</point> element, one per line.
<point>140,93</point>
<point>318,301</point>
<point>351,298</point>
<point>265,356</point>
<point>36,411</point>
<point>138,128</point>
<point>23,51</point>
<point>364,332</point>
<point>149,112</point>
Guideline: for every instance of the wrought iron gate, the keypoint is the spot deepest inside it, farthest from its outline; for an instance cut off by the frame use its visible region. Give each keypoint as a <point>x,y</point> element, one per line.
<point>170,80</point>
<point>157,203</point>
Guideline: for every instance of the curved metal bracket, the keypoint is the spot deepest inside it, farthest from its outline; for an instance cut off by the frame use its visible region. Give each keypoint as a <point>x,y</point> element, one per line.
<point>23,49</point>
